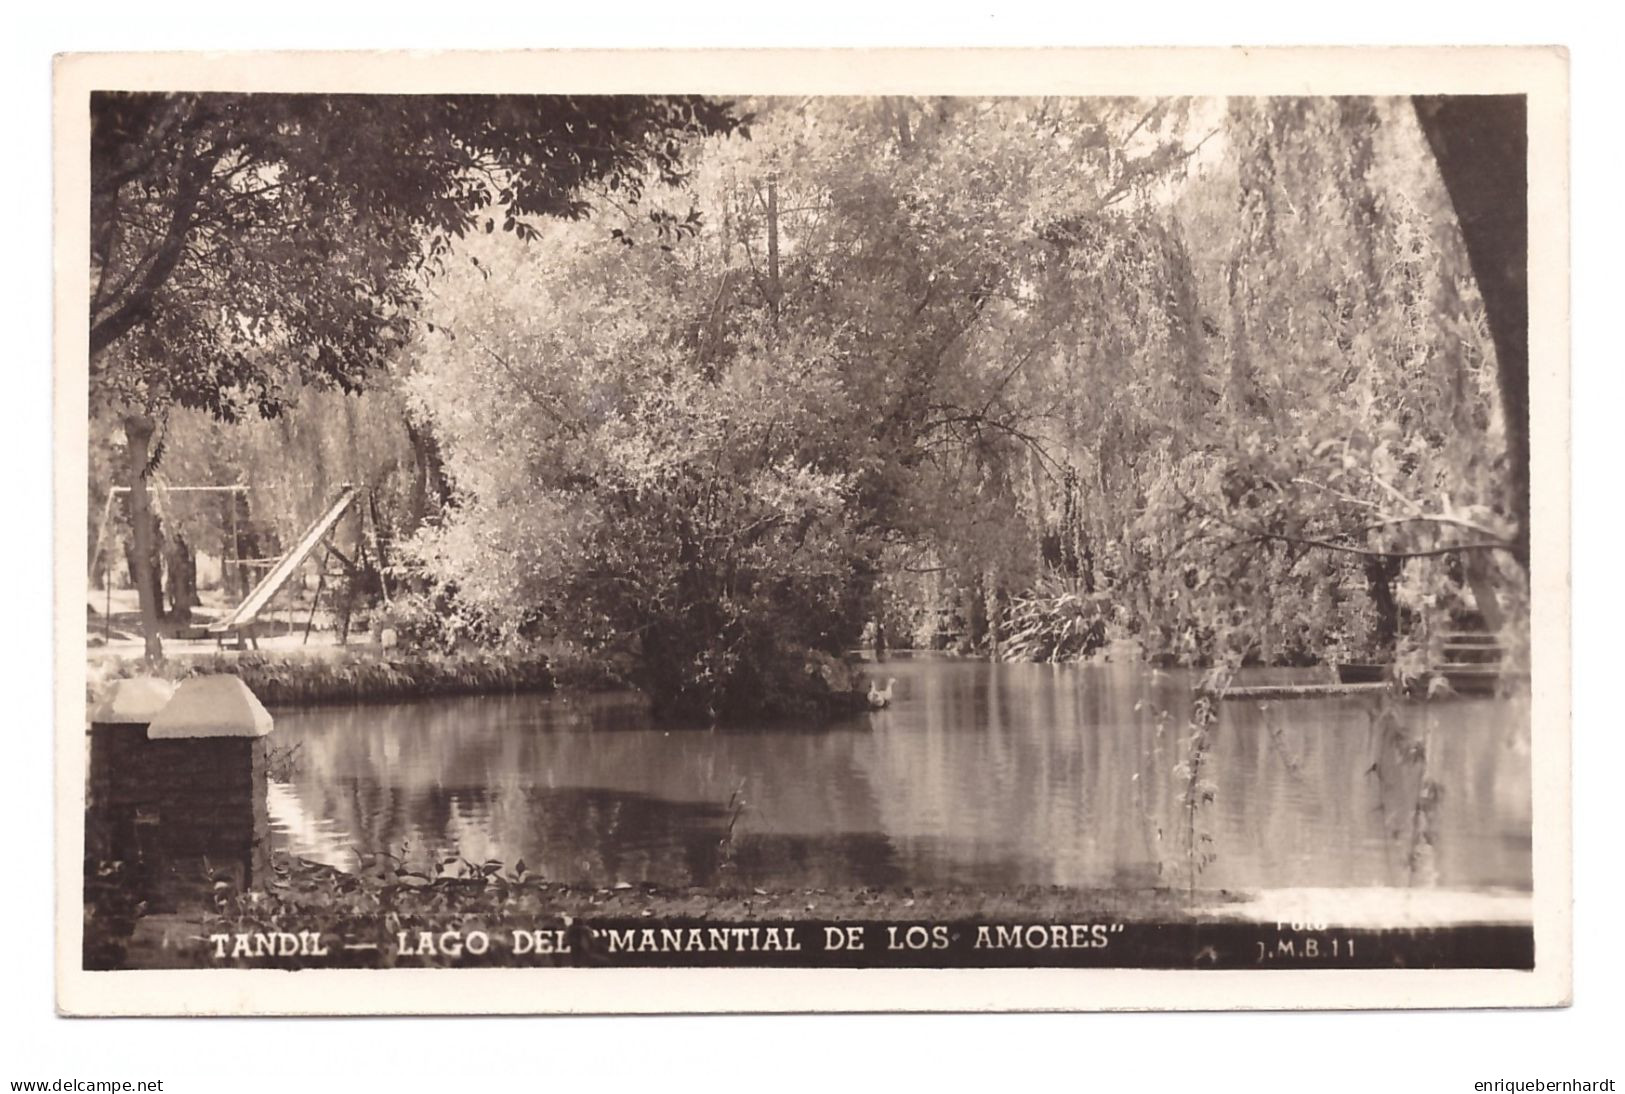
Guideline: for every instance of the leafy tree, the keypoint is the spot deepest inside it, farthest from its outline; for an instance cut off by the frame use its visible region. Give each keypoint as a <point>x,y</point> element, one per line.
<point>614,488</point>
<point>829,362</point>
<point>242,245</point>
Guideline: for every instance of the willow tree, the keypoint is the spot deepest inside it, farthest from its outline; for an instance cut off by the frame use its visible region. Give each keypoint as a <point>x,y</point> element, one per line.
<point>242,245</point>
<point>1359,432</point>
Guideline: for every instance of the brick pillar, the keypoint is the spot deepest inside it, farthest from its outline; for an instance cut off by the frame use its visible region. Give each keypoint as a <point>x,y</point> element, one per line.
<point>203,772</point>
<point>118,738</point>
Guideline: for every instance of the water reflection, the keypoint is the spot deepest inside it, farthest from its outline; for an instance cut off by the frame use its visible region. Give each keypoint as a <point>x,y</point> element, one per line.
<point>977,775</point>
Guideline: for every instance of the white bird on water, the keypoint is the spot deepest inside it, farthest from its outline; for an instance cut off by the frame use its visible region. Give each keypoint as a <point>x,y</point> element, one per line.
<point>879,699</point>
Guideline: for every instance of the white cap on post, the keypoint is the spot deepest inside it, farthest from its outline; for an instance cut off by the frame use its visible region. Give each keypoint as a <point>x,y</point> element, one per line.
<point>211,706</point>
<point>136,700</point>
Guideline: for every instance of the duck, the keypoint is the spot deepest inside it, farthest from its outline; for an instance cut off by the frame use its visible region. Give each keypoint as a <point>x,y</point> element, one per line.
<point>880,699</point>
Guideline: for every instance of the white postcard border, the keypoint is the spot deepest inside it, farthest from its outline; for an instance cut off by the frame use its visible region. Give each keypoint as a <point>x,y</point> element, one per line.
<point>1541,73</point>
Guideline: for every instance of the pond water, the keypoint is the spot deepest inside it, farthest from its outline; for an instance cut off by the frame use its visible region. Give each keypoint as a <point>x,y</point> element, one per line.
<point>978,774</point>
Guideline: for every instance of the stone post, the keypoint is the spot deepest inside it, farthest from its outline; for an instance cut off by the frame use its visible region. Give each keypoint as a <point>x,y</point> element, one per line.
<point>204,772</point>
<point>118,738</point>
<point>176,785</point>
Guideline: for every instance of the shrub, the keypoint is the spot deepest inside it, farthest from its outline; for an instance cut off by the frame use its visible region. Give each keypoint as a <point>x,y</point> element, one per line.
<point>1057,621</point>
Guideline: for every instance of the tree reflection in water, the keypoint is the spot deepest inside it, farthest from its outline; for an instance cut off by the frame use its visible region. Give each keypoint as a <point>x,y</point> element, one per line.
<point>977,775</point>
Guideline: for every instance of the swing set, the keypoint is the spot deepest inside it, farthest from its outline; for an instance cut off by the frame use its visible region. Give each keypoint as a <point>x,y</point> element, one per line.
<point>239,627</point>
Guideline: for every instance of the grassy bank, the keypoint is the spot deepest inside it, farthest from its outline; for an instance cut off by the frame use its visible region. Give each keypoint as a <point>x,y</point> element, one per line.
<point>357,676</point>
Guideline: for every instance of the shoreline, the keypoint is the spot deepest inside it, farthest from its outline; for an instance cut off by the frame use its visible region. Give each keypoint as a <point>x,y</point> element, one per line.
<point>364,674</point>
<point>355,676</point>
<point>312,916</point>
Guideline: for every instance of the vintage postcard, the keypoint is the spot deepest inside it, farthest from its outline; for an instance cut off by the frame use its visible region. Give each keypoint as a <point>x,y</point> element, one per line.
<point>812,531</point>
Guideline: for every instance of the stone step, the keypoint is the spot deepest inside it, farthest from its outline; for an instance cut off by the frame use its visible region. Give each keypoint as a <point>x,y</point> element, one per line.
<point>1474,655</point>
<point>1476,638</point>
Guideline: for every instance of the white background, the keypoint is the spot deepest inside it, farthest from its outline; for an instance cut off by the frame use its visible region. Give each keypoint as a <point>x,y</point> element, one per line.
<point>1308,1052</point>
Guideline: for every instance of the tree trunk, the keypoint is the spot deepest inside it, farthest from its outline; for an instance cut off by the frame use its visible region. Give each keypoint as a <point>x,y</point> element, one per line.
<point>138,431</point>
<point>231,548</point>
<point>774,289</point>
<point>1035,475</point>
<point>182,566</point>
<point>994,607</point>
<point>973,606</point>
<point>243,541</point>
<point>1481,143</point>
<point>1380,575</point>
<point>430,490</point>
<point>1242,391</point>
<point>1477,572</point>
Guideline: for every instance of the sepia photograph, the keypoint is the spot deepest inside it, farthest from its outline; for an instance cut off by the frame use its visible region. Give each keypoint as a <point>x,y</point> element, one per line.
<point>597,536</point>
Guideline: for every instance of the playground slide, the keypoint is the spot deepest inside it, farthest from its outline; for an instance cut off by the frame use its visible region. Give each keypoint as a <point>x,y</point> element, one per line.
<point>286,566</point>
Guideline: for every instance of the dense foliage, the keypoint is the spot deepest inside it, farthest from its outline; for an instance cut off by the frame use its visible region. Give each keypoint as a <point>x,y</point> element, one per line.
<point>1033,378</point>
<point>238,239</point>
<point>1035,375</point>
<point>243,245</point>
